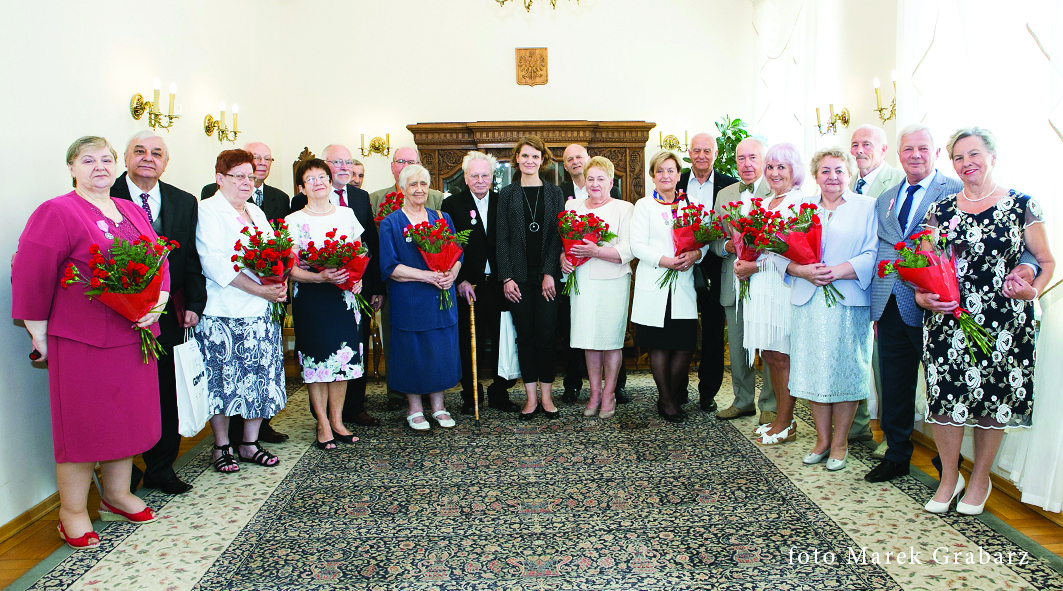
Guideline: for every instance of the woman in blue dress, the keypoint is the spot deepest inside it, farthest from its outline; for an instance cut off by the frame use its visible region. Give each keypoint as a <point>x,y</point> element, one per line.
<point>423,349</point>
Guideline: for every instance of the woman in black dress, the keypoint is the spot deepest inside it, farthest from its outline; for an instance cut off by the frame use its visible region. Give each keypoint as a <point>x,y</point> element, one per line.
<point>529,252</point>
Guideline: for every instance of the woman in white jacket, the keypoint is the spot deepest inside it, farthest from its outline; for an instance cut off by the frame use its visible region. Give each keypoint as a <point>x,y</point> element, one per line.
<point>666,318</point>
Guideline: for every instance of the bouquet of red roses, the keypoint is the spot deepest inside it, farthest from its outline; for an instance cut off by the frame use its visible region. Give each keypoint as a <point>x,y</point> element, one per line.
<point>440,248</point>
<point>392,202</point>
<point>340,254</point>
<point>802,243</point>
<point>751,233</point>
<point>128,282</point>
<point>692,229</point>
<point>267,259</point>
<point>574,229</point>
<point>934,271</point>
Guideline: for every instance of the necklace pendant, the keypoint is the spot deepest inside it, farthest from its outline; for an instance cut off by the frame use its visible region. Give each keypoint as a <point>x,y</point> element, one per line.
<point>533,227</point>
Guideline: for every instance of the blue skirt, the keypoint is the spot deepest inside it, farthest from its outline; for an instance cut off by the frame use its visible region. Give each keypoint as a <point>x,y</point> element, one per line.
<point>245,365</point>
<point>830,351</point>
<point>424,361</point>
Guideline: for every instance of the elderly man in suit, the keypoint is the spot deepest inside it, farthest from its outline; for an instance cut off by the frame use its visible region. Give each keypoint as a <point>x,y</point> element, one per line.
<point>749,160</point>
<point>402,158</point>
<point>340,163</point>
<point>869,147</point>
<point>702,185</point>
<point>357,173</point>
<point>475,209</point>
<point>574,159</point>
<point>897,319</point>
<point>173,213</point>
<point>272,201</point>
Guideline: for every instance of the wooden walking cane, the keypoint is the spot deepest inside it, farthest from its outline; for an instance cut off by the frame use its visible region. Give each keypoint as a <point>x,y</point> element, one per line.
<point>475,380</point>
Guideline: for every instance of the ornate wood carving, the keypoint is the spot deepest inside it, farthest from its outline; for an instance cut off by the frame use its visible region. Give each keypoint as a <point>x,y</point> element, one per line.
<point>443,145</point>
<point>305,155</point>
<point>532,66</point>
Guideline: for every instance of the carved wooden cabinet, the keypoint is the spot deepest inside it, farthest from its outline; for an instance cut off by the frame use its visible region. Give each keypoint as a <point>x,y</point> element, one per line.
<point>443,145</point>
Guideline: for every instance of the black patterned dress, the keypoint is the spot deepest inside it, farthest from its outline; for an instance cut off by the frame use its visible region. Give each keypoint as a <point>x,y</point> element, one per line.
<point>994,391</point>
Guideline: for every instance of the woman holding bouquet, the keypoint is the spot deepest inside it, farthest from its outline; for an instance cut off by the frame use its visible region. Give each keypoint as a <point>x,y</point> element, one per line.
<point>104,397</point>
<point>989,227</point>
<point>830,360</point>
<point>240,342</point>
<point>766,323</point>
<point>327,317</point>
<point>600,308</point>
<point>424,333</point>
<point>529,247</point>
<point>665,314</point>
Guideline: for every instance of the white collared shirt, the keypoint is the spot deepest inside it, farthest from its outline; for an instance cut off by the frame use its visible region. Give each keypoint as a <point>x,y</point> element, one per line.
<point>870,178</point>
<point>698,192</point>
<point>917,200</point>
<point>481,218</point>
<point>154,197</point>
<point>217,231</point>
<point>579,192</point>
<point>334,198</point>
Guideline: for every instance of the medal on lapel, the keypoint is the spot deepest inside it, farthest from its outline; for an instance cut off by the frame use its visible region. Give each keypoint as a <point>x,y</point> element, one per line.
<point>472,214</point>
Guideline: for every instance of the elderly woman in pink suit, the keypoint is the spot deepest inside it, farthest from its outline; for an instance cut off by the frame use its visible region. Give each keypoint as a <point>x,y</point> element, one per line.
<point>98,415</point>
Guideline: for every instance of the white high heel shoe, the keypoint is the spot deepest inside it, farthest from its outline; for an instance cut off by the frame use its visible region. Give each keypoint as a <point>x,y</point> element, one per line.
<point>933,506</point>
<point>835,465</point>
<point>814,458</point>
<point>965,509</point>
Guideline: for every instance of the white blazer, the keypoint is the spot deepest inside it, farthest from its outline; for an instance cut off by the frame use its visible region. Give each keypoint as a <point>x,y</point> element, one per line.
<point>651,239</point>
<point>216,235</point>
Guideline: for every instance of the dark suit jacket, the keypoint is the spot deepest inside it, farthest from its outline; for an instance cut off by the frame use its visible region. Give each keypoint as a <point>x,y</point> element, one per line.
<point>481,245</point>
<point>180,215</point>
<point>511,245</point>
<point>569,190</point>
<point>358,200</point>
<point>710,264</point>
<point>275,203</point>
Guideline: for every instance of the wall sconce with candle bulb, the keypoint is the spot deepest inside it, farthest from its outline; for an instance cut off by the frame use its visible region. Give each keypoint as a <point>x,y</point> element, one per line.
<point>671,142</point>
<point>138,106</point>
<point>210,125</point>
<point>878,98</point>
<point>377,145</point>
<point>832,123</point>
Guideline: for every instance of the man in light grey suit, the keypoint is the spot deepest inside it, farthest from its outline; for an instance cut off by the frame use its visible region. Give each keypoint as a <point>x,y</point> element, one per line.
<point>400,159</point>
<point>897,319</point>
<point>869,148</point>
<point>749,159</point>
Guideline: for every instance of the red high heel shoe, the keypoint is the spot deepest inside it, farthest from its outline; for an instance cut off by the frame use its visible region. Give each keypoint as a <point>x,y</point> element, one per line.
<point>109,513</point>
<point>89,540</point>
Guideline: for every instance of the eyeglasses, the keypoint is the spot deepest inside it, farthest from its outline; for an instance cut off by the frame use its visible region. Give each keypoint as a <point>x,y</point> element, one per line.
<point>405,162</point>
<point>241,177</point>
<point>479,177</point>
<point>266,159</point>
<point>313,180</point>
<point>338,163</point>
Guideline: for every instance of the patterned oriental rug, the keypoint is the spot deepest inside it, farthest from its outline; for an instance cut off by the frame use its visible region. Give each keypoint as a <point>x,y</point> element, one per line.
<point>628,503</point>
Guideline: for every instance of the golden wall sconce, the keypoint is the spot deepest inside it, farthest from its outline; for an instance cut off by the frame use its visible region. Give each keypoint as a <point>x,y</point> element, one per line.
<point>832,123</point>
<point>377,145</point>
<point>210,125</point>
<point>671,142</point>
<point>138,106</point>
<point>528,4</point>
<point>883,113</point>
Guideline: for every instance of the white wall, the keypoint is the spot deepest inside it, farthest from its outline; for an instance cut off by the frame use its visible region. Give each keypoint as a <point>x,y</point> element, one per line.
<point>309,74</point>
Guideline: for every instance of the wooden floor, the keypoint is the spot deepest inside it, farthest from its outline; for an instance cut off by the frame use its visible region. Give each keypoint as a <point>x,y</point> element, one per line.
<point>25,549</point>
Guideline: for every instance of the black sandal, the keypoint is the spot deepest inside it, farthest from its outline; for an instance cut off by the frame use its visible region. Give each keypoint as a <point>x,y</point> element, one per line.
<point>261,457</point>
<point>325,444</point>
<point>225,460</point>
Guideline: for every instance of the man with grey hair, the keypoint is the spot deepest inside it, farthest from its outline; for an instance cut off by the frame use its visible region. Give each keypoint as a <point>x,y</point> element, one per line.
<point>272,201</point>
<point>897,319</point>
<point>400,159</point>
<point>475,209</point>
<point>173,213</point>
<point>749,161</point>
<point>358,173</point>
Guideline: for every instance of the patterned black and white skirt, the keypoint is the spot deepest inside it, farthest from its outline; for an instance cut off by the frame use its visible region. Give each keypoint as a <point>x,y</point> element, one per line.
<point>244,359</point>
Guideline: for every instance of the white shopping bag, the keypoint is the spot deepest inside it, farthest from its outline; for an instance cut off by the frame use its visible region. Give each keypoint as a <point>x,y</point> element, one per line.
<point>191,386</point>
<point>508,364</point>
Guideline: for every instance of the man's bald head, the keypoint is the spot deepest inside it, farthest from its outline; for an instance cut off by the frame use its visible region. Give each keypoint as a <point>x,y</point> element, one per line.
<point>575,159</point>
<point>702,153</point>
<point>263,160</point>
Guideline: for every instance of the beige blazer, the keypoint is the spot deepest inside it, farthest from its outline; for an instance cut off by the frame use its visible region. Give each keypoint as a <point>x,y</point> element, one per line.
<point>887,177</point>
<point>727,269</point>
<point>435,198</point>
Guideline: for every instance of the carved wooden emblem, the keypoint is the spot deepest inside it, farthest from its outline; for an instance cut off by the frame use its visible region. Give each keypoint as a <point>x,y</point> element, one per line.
<point>531,66</point>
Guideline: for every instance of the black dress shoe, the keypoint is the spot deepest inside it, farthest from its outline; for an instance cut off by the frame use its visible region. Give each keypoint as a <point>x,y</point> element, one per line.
<point>527,416</point>
<point>365,419</point>
<point>621,396</point>
<point>467,408</point>
<point>270,435</point>
<point>709,406</point>
<point>504,406</point>
<point>936,461</point>
<point>396,404</point>
<point>677,417</point>
<point>570,395</point>
<point>552,415</point>
<point>886,470</point>
<point>173,486</point>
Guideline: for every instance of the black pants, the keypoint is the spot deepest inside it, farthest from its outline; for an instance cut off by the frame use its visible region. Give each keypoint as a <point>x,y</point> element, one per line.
<point>900,348</point>
<point>158,460</point>
<point>354,403</point>
<point>710,367</point>
<point>574,360</point>
<point>535,319</point>
<point>489,301</point>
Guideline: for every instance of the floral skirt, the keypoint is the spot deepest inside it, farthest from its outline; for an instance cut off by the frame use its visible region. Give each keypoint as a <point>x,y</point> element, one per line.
<point>328,333</point>
<point>244,360</point>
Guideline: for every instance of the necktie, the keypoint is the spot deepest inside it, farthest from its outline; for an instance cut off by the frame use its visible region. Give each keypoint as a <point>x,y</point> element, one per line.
<point>906,208</point>
<point>742,187</point>
<point>860,186</point>
<point>343,202</point>
<point>147,208</point>
<point>258,197</point>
